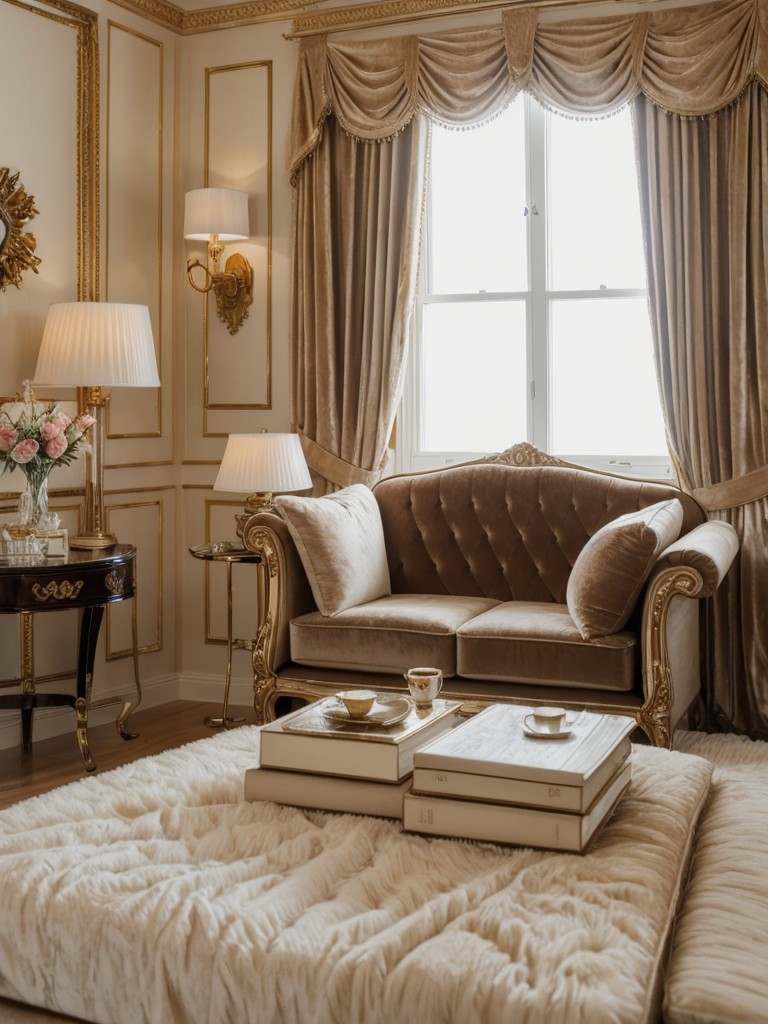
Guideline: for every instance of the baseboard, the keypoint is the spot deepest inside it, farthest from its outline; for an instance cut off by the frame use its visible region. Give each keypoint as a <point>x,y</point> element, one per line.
<point>50,722</point>
<point>211,688</point>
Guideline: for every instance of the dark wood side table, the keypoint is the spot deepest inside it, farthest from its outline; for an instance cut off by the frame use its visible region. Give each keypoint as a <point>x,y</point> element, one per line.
<point>88,580</point>
<point>228,552</point>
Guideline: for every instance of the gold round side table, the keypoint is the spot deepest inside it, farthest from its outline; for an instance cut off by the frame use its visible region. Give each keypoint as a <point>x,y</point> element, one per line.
<point>228,552</point>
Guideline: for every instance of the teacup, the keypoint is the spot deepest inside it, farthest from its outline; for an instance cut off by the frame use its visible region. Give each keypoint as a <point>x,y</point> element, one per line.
<point>424,684</point>
<point>552,720</point>
<point>357,702</point>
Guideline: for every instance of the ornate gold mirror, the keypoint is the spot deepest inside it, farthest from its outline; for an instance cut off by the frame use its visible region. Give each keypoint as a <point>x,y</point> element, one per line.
<point>17,248</point>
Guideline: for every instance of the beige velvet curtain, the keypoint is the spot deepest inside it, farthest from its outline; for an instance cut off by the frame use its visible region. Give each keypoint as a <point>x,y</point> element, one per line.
<point>705,205</point>
<point>355,262</point>
<point>358,153</point>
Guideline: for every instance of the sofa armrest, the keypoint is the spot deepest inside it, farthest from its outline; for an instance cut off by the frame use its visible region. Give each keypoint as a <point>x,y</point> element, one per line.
<point>284,593</point>
<point>694,566</point>
<point>709,549</point>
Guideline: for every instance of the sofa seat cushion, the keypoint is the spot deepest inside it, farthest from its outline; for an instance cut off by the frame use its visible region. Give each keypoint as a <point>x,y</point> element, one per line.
<point>391,634</point>
<point>538,642</point>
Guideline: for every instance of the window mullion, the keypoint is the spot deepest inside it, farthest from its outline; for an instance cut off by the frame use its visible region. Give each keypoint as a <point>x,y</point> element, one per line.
<point>538,355</point>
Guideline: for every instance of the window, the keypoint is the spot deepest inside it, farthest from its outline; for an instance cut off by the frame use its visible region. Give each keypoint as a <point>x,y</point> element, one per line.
<point>531,320</point>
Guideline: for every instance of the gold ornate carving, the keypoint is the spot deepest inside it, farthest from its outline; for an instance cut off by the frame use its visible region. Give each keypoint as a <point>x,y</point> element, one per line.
<point>114,581</point>
<point>64,591</point>
<point>654,714</point>
<point>17,247</point>
<point>524,454</point>
<point>307,19</point>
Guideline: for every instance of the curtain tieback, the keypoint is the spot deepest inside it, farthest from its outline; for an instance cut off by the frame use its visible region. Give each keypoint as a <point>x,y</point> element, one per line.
<point>741,490</point>
<point>336,469</point>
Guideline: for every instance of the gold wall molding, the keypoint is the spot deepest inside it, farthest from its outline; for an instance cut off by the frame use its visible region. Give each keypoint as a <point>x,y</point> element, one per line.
<point>309,20</point>
<point>152,585</point>
<point>210,19</point>
<point>86,26</point>
<point>147,187</point>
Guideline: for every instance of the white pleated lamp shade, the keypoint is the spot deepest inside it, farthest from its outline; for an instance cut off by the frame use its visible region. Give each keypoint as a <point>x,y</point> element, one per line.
<point>263,462</point>
<point>97,344</point>
<point>216,211</point>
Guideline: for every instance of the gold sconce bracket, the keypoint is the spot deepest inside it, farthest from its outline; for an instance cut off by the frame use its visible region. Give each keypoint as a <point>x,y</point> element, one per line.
<point>233,288</point>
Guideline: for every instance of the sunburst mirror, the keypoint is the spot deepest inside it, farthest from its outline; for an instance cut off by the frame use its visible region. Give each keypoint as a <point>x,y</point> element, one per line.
<point>17,247</point>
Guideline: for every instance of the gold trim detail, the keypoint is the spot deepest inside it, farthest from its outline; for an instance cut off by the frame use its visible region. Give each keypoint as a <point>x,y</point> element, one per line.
<point>64,591</point>
<point>114,581</point>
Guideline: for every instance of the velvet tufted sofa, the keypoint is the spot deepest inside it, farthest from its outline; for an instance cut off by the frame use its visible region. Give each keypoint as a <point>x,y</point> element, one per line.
<point>523,578</point>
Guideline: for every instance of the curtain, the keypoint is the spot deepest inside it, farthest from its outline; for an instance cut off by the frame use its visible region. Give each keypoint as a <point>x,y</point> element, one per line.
<point>355,261</point>
<point>705,210</point>
<point>358,156</point>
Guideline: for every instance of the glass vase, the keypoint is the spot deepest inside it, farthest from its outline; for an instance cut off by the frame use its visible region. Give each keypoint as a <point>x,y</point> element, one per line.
<point>33,503</point>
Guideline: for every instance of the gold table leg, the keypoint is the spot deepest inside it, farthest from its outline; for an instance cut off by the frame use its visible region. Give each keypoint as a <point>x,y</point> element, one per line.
<point>225,721</point>
<point>130,705</point>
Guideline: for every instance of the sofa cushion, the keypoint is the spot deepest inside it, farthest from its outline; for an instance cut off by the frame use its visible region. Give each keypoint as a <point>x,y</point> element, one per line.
<point>615,563</point>
<point>537,642</point>
<point>341,545</point>
<point>389,635</point>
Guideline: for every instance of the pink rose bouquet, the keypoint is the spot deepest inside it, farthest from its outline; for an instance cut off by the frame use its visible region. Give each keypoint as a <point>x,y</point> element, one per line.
<point>36,437</point>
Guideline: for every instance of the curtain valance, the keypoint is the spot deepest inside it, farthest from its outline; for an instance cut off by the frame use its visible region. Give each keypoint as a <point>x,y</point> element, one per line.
<point>691,61</point>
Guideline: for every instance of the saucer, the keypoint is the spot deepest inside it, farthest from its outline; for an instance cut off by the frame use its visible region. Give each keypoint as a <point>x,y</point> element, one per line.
<point>385,711</point>
<point>535,734</point>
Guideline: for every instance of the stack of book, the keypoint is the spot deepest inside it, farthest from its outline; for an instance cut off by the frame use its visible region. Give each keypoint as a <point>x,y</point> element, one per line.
<point>489,780</point>
<point>319,758</point>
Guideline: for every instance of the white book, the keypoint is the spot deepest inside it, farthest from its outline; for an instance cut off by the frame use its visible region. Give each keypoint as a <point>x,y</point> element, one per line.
<point>327,792</point>
<point>494,743</point>
<point>307,741</point>
<point>521,826</point>
<point>501,790</point>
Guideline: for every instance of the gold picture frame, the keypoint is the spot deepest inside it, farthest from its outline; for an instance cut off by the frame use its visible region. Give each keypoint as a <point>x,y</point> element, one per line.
<point>17,246</point>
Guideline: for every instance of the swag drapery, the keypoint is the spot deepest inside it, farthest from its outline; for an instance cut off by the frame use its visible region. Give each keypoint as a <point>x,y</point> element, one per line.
<point>705,224</point>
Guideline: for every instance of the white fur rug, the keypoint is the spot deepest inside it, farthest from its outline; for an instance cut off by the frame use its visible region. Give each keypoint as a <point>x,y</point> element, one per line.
<point>154,894</point>
<point>718,973</point>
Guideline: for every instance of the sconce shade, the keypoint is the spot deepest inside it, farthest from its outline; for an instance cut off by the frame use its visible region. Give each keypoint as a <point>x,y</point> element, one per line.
<point>97,344</point>
<point>263,463</point>
<point>216,211</point>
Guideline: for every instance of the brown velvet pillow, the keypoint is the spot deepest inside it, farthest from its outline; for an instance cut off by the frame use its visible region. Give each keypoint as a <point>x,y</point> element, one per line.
<point>615,563</point>
<point>340,541</point>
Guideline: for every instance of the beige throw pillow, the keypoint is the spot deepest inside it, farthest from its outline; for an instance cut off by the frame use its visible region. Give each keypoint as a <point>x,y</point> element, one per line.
<point>615,563</point>
<point>340,541</point>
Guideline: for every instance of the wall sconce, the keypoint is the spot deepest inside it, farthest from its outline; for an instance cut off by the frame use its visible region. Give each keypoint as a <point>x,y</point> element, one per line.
<point>218,215</point>
<point>258,465</point>
<point>97,345</point>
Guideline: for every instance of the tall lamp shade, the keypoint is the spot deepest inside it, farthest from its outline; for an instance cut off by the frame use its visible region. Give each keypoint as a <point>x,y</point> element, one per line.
<point>260,464</point>
<point>96,345</point>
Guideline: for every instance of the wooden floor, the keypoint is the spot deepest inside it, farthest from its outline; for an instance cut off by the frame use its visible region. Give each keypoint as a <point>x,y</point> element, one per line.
<point>53,762</point>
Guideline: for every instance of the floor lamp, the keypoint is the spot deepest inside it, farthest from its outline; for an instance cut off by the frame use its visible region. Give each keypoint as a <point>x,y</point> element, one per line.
<point>96,346</point>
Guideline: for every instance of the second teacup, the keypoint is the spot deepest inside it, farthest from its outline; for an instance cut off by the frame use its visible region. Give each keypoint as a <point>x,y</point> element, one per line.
<point>424,684</point>
<point>544,719</point>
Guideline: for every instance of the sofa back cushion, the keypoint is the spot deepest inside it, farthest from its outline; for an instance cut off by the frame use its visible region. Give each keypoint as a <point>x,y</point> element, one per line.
<point>615,563</point>
<point>501,531</point>
<point>341,545</point>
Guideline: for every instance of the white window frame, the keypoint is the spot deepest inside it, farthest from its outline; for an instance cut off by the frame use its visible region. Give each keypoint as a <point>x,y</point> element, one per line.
<point>409,456</point>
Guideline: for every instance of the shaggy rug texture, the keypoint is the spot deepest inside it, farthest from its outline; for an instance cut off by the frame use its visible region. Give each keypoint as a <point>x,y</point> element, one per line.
<point>155,894</point>
<point>718,973</point>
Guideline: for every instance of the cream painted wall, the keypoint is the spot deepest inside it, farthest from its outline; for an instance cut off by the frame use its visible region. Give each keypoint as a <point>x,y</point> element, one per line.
<point>175,113</point>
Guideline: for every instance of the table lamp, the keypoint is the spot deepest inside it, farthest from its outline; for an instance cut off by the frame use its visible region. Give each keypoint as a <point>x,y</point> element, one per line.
<point>259,464</point>
<point>96,345</point>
